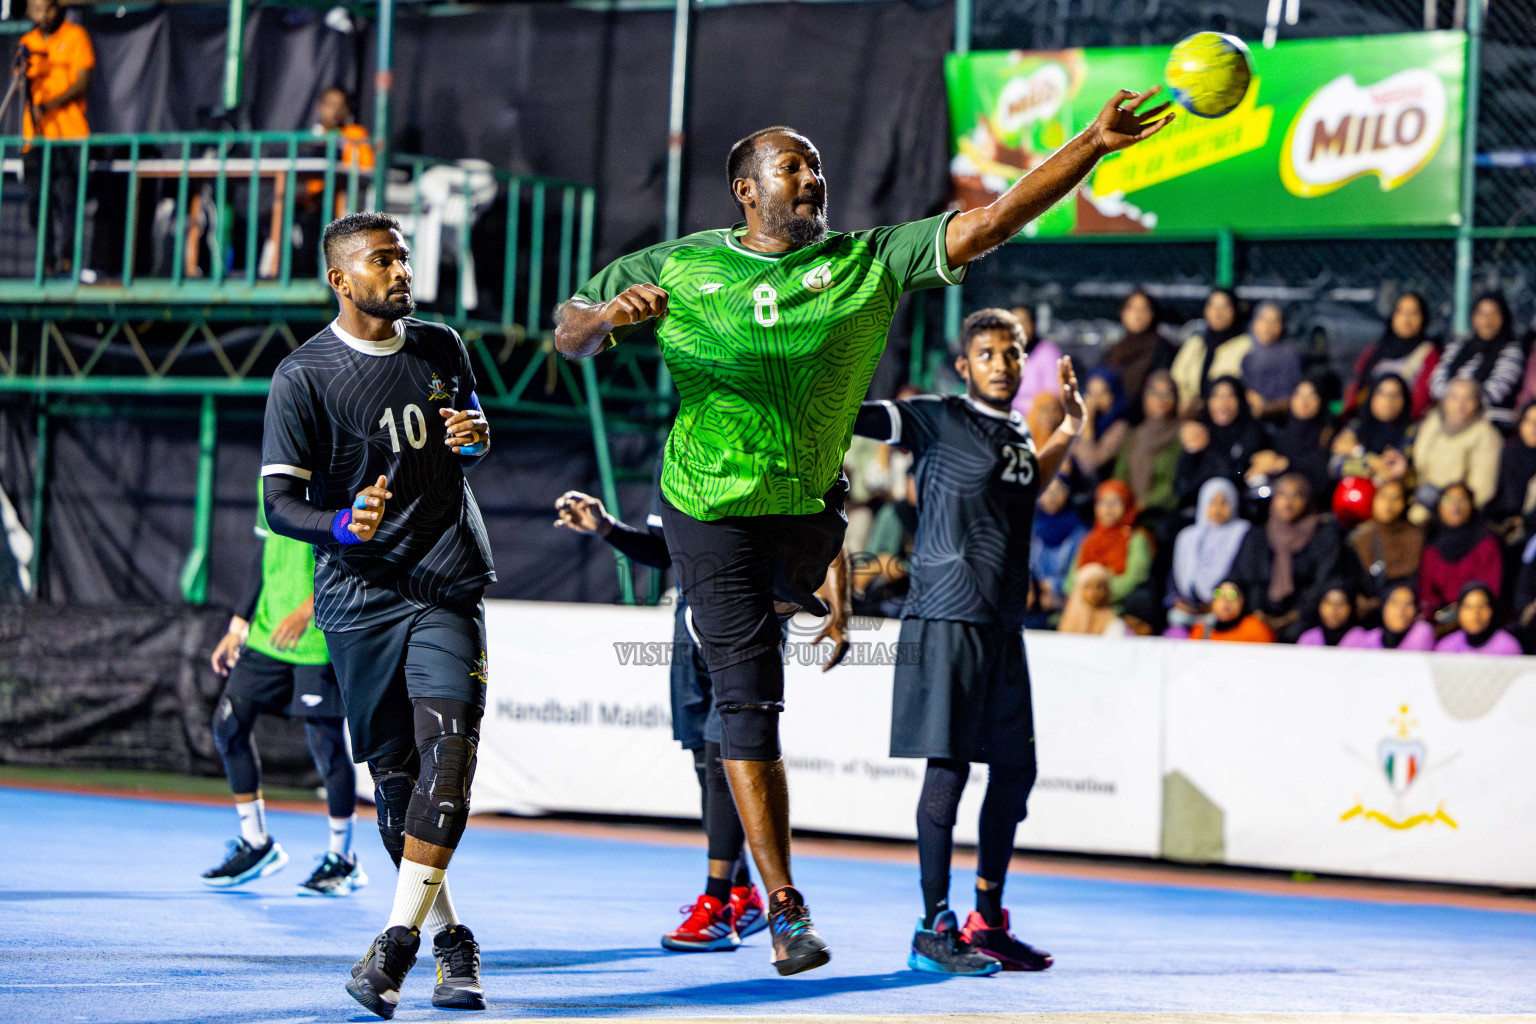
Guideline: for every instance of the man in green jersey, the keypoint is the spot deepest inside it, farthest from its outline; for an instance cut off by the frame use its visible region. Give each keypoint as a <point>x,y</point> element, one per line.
<point>771,330</point>
<point>276,661</point>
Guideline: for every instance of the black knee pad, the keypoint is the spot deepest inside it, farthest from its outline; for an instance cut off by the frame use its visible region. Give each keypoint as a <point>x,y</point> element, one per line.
<point>394,779</point>
<point>232,721</point>
<point>750,732</point>
<point>943,786</point>
<point>1008,788</point>
<point>439,807</point>
<point>328,746</point>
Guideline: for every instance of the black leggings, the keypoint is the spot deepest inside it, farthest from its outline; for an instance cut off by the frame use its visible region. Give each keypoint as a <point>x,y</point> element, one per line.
<point>1004,806</point>
<point>233,721</point>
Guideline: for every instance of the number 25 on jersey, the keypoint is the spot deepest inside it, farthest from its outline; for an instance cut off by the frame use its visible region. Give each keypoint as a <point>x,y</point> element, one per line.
<point>1019,468</point>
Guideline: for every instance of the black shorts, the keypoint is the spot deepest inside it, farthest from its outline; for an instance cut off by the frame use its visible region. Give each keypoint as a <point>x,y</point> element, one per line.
<point>965,696</point>
<point>434,652</point>
<point>732,570</point>
<point>284,688</point>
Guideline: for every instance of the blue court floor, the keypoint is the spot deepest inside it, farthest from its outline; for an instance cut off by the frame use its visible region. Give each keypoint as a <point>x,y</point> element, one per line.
<point>102,919</point>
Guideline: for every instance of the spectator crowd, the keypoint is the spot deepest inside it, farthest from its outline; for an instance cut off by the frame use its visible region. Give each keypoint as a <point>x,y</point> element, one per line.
<point>1222,488</point>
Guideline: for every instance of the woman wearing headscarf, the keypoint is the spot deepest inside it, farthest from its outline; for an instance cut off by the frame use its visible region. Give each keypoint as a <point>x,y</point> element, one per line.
<point>1491,356</point>
<point>1216,351</point>
<point>1058,530</point>
<point>1115,542</point>
<point>1143,347</point>
<point>1462,549</point>
<point>1457,444</point>
<point>1219,442</point>
<point>1403,351</point>
<point>1045,414</point>
<point>1231,620</point>
<point>1271,369</point>
<point>1038,376</point>
<point>1298,444</point>
<point>1515,498</point>
<point>1088,608</point>
<point>1377,442</point>
<point>1335,620</point>
<point>1401,628</point>
<point>1388,546</point>
<point>1203,554</point>
<point>1150,456</point>
<point>1478,631</point>
<point>1104,427</point>
<point>1285,566</point>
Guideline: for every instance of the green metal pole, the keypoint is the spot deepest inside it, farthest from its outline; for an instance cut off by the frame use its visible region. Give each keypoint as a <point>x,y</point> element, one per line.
<point>962,26</point>
<point>194,575</point>
<point>234,55</point>
<point>676,119</point>
<point>1462,314</point>
<point>383,82</point>
<point>605,469</point>
<point>954,299</point>
<point>1226,257</point>
<point>39,498</point>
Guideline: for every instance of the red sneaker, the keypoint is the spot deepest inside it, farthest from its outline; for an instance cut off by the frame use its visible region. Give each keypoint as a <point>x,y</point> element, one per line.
<point>751,911</point>
<point>710,925</point>
<point>997,942</point>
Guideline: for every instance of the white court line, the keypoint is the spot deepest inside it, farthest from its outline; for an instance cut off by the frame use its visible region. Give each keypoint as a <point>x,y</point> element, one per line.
<point>77,984</point>
<point>1074,1017</point>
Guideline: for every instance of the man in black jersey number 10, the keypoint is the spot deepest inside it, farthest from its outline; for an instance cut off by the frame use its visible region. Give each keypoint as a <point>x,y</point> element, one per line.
<point>965,697</point>
<point>369,428</point>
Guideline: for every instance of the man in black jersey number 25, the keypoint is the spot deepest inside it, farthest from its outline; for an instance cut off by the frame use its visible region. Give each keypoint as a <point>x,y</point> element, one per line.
<point>965,697</point>
<point>369,428</point>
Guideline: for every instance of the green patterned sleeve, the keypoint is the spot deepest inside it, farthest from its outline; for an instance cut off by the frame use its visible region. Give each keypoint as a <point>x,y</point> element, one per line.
<point>915,252</point>
<point>643,267</point>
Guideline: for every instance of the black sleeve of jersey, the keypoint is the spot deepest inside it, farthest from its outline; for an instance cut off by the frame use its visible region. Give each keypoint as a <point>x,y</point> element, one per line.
<point>290,513</point>
<point>648,546</point>
<point>288,429</point>
<point>910,423</point>
<point>246,606</point>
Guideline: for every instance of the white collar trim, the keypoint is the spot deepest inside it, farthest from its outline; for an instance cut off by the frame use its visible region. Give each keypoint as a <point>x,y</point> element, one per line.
<point>371,348</point>
<point>987,410</point>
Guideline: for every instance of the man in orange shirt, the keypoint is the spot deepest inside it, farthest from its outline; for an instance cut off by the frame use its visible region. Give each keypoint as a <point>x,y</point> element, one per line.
<point>59,61</point>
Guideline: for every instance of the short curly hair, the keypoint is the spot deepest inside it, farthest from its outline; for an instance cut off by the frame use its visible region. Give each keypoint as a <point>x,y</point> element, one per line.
<point>343,228</point>
<point>991,320</point>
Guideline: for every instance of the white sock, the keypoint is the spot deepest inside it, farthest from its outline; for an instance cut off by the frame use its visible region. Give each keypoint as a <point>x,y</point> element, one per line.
<point>415,891</point>
<point>341,835</point>
<point>253,821</point>
<point>442,916</point>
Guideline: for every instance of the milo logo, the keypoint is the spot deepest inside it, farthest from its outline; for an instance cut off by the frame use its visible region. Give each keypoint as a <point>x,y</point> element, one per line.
<point>1390,129</point>
<point>1030,98</point>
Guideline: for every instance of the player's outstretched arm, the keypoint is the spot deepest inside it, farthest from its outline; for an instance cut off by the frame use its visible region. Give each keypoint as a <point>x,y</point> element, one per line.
<point>1118,126</point>
<point>582,327</point>
<point>582,513</point>
<point>1059,443</point>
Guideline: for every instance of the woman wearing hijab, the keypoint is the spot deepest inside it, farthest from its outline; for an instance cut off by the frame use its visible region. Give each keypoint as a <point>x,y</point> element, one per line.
<point>1038,376</point>
<point>1150,456</point>
<point>1479,632</point>
<point>1104,427</point>
<point>1285,566</point>
<point>1271,369</point>
<point>1298,444</point>
<point>1046,413</point>
<point>1491,356</point>
<point>1401,628</point>
<point>1143,347</point>
<point>1515,498</point>
<point>1457,444</point>
<point>1088,609</point>
<point>1115,542</point>
<point>1335,620</point>
<point>1388,546</point>
<point>1463,549</point>
<point>1376,443</point>
<point>1211,354</point>
<point>1403,351</point>
<point>1058,530</point>
<point>1203,554</point>
<point>1230,619</point>
<point>1219,442</point>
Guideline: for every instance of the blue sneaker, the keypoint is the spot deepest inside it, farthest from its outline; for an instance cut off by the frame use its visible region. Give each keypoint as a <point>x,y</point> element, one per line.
<point>334,876</point>
<point>245,863</point>
<point>943,950</point>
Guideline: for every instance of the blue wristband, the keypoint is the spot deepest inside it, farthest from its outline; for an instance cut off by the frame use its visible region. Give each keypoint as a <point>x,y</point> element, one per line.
<point>478,448</point>
<point>339,528</point>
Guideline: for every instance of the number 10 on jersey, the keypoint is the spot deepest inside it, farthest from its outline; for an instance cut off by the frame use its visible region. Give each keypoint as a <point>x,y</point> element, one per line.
<point>415,427</point>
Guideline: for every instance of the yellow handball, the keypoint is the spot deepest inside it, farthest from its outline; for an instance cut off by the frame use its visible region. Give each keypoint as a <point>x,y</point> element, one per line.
<point>1208,73</point>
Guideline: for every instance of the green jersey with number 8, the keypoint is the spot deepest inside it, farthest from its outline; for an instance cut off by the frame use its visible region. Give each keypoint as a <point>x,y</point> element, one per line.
<point>772,354</point>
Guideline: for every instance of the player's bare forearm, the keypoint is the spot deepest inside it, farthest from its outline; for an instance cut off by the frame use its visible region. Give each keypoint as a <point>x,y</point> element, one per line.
<point>1054,453</point>
<point>581,329</point>
<point>977,232</point>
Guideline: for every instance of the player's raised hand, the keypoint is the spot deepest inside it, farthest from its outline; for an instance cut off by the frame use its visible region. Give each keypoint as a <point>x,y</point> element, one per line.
<point>636,304</point>
<point>582,513</point>
<point>1071,398</point>
<point>466,427</point>
<point>1119,126</point>
<point>368,509</point>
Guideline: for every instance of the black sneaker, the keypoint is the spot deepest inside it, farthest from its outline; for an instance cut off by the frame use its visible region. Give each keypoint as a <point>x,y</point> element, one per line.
<point>244,863</point>
<point>384,967</point>
<point>335,875</point>
<point>796,946</point>
<point>458,970</point>
<point>943,950</point>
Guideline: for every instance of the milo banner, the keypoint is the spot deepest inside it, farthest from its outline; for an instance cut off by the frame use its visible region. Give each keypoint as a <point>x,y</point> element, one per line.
<point>1334,133</point>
